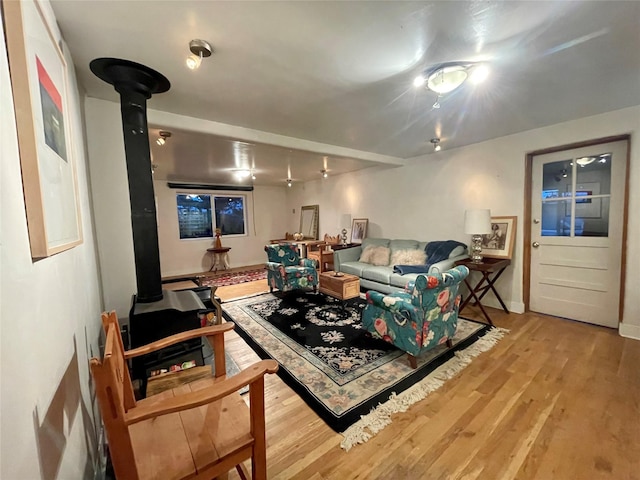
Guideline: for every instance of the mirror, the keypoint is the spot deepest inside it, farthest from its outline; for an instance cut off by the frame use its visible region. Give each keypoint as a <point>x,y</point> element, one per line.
<point>309,221</point>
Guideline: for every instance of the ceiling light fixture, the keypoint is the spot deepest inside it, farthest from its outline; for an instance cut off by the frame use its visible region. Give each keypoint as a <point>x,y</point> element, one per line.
<point>242,173</point>
<point>436,144</point>
<point>288,182</point>
<point>199,49</point>
<point>446,77</point>
<point>162,139</point>
<point>324,173</point>
<point>584,161</point>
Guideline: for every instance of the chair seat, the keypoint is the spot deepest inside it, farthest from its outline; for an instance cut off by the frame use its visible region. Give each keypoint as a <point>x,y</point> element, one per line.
<point>191,442</point>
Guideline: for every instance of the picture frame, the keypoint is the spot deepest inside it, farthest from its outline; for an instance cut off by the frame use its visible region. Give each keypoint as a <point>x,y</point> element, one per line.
<point>359,229</point>
<point>499,243</point>
<point>40,95</point>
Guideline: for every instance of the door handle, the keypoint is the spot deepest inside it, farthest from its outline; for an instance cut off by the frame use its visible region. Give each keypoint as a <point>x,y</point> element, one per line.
<point>535,244</point>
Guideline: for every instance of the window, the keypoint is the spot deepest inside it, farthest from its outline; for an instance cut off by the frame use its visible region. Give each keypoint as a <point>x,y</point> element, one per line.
<point>195,218</point>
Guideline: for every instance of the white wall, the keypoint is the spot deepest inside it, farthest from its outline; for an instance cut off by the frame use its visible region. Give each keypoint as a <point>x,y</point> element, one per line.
<point>113,215</point>
<point>183,256</point>
<point>426,199</point>
<point>50,312</point>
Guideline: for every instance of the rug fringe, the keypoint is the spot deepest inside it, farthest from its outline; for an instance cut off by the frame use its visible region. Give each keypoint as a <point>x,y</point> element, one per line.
<point>380,416</point>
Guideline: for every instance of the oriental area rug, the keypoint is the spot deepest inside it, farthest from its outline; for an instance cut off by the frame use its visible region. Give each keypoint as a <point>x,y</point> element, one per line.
<point>234,278</point>
<point>352,381</point>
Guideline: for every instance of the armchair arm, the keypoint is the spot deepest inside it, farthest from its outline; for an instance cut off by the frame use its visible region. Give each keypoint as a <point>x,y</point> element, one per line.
<point>180,337</point>
<point>273,266</point>
<point>204,396</point>
<point>307,262</point>
<point>395,301</point>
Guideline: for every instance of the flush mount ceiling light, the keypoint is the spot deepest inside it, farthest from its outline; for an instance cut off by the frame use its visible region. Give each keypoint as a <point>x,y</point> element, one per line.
<point>242,173</point>
<point>162,139</point>
<point>446,77</point>
<point>436,144</point>
<point>199,49</point>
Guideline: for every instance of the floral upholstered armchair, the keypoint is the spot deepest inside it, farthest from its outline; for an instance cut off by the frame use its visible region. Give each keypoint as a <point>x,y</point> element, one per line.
<point>420,318</point>
<point>287,271</point>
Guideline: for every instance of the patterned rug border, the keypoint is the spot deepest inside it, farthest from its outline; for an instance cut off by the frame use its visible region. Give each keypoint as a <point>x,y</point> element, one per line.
<point>352,423</point>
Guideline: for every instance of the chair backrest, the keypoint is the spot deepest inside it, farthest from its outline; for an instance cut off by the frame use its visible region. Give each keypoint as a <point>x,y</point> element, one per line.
<point>331,240</point>
<point>115,396</point>
<point>285,254</point>
<point>439,290</point>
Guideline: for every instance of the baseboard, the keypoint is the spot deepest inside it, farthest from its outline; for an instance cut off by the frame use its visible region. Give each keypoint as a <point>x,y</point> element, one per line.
<point>513,307</point>
<point>629,331</point>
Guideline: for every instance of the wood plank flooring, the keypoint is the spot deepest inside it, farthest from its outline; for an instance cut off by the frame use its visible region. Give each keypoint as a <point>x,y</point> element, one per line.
<point>555,399</point>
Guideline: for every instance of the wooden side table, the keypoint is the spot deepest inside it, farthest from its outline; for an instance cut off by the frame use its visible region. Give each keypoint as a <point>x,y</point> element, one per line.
<point>491,269</point>
<point>220,258</point>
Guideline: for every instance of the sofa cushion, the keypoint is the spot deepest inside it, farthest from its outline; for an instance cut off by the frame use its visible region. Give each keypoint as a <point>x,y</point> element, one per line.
<point>397,280</point>
<point>396,245</point>
<point>375,255</point>
<point>378,274</point>
<point>354,268</point>
<point>408,257</point>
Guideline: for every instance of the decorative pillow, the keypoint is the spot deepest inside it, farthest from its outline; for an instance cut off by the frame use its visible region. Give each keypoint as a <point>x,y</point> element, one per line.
<point>375,255</point>
<point>408,257</point>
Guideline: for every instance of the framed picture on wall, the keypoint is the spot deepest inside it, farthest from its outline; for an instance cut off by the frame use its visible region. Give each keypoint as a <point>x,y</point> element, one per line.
<point>499,243</point>
<point>359,229</point>
<point>40,95</point>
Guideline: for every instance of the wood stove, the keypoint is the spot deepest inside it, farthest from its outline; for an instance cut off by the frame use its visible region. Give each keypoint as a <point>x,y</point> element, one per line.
<point>154,313</point>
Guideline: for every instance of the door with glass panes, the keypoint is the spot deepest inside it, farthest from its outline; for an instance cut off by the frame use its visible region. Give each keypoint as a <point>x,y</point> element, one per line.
<point>576,237</point>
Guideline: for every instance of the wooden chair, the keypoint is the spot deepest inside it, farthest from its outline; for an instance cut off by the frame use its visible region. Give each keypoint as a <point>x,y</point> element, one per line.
<point>322,252</point>
<point>196,431</point>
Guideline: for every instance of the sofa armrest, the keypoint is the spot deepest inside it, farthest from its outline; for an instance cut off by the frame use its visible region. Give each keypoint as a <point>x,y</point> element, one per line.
<point>444,265</point>
<point>345,255</point>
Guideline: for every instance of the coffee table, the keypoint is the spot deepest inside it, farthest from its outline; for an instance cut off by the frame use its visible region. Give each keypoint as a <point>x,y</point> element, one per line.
<point>342,287</point>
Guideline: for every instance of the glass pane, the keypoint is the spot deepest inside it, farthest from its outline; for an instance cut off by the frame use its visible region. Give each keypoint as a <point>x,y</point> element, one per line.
<point>194,216</point>
<point>230,215</point>
<point>556,176</point>
<point>592,219</point>
<point>593,175</point>
<point>556,218</point>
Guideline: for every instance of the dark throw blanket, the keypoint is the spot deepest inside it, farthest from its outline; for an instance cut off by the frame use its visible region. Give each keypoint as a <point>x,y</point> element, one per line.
<point>436,252</point>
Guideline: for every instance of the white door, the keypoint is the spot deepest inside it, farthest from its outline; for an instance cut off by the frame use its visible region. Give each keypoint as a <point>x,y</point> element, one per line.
<point>577,212</point>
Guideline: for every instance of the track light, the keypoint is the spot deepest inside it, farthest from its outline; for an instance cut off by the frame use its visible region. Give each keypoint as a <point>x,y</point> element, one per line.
<point>288,182</point>
<point>324,173</point>
<point>436,144</point>
<point>199,49</point>
<point>162,139</point>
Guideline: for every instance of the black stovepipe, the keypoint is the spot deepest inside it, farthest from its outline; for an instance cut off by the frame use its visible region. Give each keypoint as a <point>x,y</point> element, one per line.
<point>136,83</point>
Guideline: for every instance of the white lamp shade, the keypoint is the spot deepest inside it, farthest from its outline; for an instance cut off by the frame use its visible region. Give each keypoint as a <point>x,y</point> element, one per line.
<point>345,220</point>
<point>477,222</point>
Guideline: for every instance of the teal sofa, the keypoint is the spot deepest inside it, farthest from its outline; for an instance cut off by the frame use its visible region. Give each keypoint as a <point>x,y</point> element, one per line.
<point>382,278</point>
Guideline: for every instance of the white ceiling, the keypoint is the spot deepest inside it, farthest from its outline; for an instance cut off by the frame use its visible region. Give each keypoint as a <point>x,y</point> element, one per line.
<point>340,74</point>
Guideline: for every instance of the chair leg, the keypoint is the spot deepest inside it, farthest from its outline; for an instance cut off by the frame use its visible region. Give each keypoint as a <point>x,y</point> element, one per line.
<point>412,361</point>
<point>449,343</point>
<point>242,472</point>
<point>270,289</point>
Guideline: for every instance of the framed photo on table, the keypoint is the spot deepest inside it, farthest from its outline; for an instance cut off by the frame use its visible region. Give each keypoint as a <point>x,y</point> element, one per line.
<point>359,229</point>
<point>499,243</point>
<point>40,95</point>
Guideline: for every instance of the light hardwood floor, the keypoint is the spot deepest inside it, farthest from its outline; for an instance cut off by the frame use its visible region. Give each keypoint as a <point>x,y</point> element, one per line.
<point>555,399</point>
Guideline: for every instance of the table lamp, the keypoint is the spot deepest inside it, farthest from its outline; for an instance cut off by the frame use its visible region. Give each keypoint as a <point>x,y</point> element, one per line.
<point>477,223</point>
<point>345,222</point>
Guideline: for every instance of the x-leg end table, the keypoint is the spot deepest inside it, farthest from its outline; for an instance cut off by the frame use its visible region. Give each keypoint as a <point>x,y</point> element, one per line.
<point>491,269</point>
